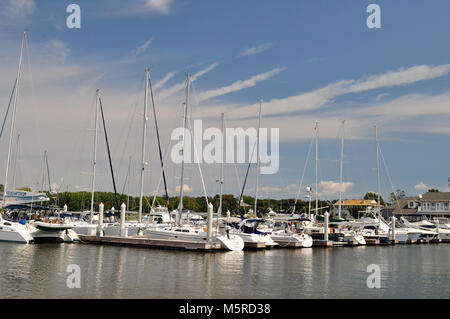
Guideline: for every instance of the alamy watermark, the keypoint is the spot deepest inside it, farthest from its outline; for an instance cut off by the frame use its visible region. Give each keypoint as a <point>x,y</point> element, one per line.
<point>374,279</point>
<point>238,146</point>
<point>74,279</point>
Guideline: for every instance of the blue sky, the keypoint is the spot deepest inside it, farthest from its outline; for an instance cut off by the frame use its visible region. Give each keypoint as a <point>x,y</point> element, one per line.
<point>308,60</point>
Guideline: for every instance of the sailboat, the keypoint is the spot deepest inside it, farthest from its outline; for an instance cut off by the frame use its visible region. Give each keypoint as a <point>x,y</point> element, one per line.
<point>13,231</point>
<point>186,231</point>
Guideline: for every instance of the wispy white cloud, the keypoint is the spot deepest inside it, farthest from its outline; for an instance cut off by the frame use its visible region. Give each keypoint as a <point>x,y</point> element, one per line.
<point>142,48</point>
<point>17,8</point>
<point>321,97</point>
<point>180,86</point>
<point>421,186</point>
<point>162,82</point>
<point>161,6</point>
<point>238,85</point>
<point>57,49</point>
<point>331,188</point>
<point>255,49</point>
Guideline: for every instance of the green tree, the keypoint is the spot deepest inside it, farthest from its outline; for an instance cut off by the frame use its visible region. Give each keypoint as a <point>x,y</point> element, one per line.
<point>433,190</point>
<point>374,196</point>
<point>399,193</point>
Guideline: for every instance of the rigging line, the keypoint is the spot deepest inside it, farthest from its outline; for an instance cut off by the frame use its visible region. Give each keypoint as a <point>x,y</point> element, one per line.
<point>246,176</point>
<point>131,118</point>
<point>48,173</point>
<point>36,120</point>
<point>159,141</point>
<point>304,171</point>
<point>390,180</point>
<point>109,153</point>
<point>9,106</point>
<point>160,177</point>
<point>199,167</point>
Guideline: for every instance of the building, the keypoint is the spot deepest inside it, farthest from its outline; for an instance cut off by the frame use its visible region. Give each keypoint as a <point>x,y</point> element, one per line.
<point>431,204</point>
<point>404,206</point>
<point>356,203</point>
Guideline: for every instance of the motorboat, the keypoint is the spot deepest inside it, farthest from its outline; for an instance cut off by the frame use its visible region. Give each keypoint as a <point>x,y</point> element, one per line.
<point>248,230</point>
<point>53,231</point>
<point>18,232</point>
<point>284,233</point>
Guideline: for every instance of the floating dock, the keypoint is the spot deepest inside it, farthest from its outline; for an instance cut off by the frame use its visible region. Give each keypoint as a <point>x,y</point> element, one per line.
<point>140,241</point>
<point>249,245</point>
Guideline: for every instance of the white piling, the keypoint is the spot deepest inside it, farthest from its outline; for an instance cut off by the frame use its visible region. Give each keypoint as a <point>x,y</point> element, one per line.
<point>325,226</point>
<point>101,209</point>
<point>393,227</point>
<point>65,208</point>
<point>210,222</point>
<point>123,229</point>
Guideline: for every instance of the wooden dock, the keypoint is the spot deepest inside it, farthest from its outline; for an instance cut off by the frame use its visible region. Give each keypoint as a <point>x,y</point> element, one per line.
<point>322,243</point>
<point>249,245</point>
<point>289,244</point>
<point>145,242</point>
<point>372,242</point>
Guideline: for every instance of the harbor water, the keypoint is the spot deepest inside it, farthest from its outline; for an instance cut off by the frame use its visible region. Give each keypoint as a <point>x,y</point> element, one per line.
<point>41,271</point>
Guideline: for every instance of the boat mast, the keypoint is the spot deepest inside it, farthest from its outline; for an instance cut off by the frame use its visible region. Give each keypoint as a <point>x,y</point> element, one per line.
<point>128,183</point>
<point>13,119</point>
<point>257,158</point>
<point>180,204</point>
<point>94,163</point>
<point>144,131</point>
<point>16,155</point>
<point>341,168</point>
<point>317,166</point>
<point>378,171</point>
<point>219,211</point>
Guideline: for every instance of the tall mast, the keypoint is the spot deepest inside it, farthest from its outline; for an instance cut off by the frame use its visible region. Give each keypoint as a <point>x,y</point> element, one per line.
<point>219,211</point>
<point>144,131</point>
<point>16,156</point>
<point>317,166</point>
<point>186,103</point>
<point>13,119</point>
<point>94,163</point>
<point>257,158</point>
<point>128,183</point>
<point>378,169</point>
<point>341,168</point>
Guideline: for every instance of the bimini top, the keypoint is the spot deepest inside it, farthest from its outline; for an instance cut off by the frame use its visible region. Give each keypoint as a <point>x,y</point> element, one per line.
<point>21,207</point>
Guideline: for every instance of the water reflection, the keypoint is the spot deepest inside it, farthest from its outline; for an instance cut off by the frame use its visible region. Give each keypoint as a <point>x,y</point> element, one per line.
<point>39,271</point>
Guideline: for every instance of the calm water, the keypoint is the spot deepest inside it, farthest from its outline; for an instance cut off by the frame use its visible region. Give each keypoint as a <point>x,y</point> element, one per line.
<point>39,271</point>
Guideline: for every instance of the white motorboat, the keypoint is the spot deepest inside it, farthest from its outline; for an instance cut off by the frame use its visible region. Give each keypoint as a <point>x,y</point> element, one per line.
<point>51,231</point>
<point>282,234</point>
<point>15,232</point>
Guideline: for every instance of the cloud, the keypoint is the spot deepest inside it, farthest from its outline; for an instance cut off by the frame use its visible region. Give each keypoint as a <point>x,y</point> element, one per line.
<point>161,6</point>
<point>319,98</point>
<point>255,49</point>
<point>186,188</point>
<point>180,86</point>
<point>422,186</point>
<point>238,85</point>
<point>330,188</point>
<point>380,96</point>
<point>162,82</point>
<point>57,49</point>
<point>313,60</point>
<point>17,8</point>
<point>142,48</point>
